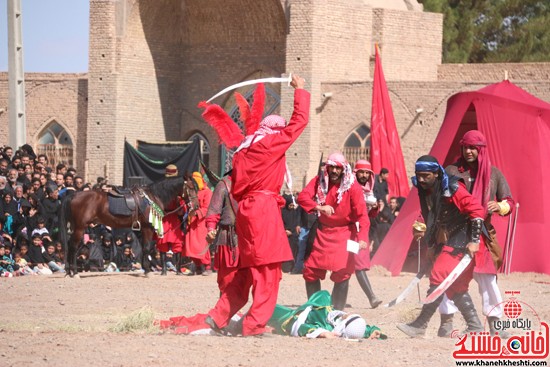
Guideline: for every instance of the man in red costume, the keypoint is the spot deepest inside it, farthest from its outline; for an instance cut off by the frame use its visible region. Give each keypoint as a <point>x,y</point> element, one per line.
<point>259,166</point>
<point>490,188</point>
<point>365,178</point>
<point>173,235</point>
<point>454,222</point>
<point>339,201</point>
<point>220,223</point>
<point>196,247</point>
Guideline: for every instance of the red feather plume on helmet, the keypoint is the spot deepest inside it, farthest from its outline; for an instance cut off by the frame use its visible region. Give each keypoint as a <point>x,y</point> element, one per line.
<point>228,131</point>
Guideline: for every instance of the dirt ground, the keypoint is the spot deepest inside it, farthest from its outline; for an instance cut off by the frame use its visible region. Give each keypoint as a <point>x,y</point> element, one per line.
<point>59,321</point>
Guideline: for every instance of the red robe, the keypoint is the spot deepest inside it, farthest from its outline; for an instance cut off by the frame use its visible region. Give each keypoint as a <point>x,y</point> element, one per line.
<point>196,246</point>
<point>258,174</point>
<point>329,250</point>
<point>257,180</point>
<point>499,191</point>
<point>171,224</point>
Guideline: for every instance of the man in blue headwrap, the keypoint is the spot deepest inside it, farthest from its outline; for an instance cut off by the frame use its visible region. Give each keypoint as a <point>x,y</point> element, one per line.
<point>453,228</point>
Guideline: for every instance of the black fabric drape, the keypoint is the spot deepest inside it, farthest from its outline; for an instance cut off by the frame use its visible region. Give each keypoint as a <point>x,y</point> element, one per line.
<point>151,160</point>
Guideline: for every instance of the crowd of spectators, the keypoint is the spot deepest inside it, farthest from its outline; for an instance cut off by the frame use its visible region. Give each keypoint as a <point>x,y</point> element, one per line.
<point>31,191</point>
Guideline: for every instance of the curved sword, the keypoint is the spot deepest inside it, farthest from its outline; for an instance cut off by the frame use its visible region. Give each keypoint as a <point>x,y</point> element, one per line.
<point>407,290</point>
<point>286,79</point>
<point>453,275</point>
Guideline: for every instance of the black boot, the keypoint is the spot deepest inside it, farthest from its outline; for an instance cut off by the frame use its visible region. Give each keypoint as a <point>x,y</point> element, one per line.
<point>312,287</point>
<point>163,261</point>
<point>502,333</point>
<point>418,327</point>
<point>446,326</point>
<point>340,295</point>
<point>177,263</point>
<point>464,303</point>
<point>365,285</point>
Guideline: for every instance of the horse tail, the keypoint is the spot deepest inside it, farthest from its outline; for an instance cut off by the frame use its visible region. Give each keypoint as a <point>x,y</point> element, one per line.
<point>64,218</point>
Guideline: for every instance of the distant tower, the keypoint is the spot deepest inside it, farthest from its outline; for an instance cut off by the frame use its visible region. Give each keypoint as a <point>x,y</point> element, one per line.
<point>16,77</point>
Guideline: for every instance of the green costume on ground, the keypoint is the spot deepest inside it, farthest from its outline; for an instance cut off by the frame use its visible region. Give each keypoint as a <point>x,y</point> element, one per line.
<point>311,319</point>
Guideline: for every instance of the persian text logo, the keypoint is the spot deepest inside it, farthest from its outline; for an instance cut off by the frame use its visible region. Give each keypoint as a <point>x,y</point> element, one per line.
<point>529,335</point>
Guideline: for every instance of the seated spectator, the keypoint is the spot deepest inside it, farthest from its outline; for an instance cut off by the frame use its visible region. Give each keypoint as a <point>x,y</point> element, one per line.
<point>132,241</point>
<point>156,263</point>
<point>41,229</point>
<point>6,264</point>
<point>119,244</point>
<point>170,261</point>
<point>37,262</point>
<point>7,249</point>
<point>95,258</point>
<point>82,257</point>
<point>125,261</point>
<point>22,263</point>
<point>51,258</point>
<point>108,248</point>
<point>4,237</point>
<point>59,251</point>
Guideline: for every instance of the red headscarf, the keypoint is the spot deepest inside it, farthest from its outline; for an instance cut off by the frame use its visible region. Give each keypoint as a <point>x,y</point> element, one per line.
<point>482,180</point>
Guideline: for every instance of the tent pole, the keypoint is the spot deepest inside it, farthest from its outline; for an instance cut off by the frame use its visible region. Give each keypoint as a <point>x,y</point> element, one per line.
<point>513,237</point>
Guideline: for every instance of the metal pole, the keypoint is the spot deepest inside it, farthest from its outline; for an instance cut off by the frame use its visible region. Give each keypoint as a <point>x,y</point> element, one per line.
<point>16,77</point>
<point>513,238</point>
<point>507,243</point>
<point>418,271</point>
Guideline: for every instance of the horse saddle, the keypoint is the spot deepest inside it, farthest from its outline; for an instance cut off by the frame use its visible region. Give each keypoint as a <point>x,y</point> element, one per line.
<point>122,202</point>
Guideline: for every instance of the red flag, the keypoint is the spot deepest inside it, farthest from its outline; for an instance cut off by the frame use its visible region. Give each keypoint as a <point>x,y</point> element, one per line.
<point>385,146</point>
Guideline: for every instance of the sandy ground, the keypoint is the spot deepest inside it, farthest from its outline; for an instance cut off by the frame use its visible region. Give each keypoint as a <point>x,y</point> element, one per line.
<point>58,321</point>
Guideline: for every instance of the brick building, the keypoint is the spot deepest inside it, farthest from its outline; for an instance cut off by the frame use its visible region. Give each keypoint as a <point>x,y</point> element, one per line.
<point>152,61</point>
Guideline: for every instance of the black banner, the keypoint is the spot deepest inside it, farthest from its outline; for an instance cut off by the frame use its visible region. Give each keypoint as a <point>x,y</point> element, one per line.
<point>148,163</point>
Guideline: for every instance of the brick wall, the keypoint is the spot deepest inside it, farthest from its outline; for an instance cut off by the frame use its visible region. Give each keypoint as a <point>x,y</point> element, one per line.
<point>51,97</point>
<point>410,43</point>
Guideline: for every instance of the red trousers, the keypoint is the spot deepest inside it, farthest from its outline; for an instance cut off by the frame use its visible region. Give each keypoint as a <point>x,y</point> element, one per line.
<point>264,280</point>
<point>226,263</point>
<point>444,264</point>
<point>312,274</point>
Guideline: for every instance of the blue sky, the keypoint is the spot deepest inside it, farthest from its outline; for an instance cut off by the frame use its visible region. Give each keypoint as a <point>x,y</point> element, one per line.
<point>55,35</point>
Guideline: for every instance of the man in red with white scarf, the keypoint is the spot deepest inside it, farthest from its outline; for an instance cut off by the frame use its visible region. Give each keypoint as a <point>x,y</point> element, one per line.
<point>259,166</point>
<point>487,184</point>
<point>365,177</point>
<point>339,201</point>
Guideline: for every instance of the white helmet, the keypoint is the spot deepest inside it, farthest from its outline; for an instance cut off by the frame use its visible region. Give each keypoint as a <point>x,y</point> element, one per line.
<point>352,327</point>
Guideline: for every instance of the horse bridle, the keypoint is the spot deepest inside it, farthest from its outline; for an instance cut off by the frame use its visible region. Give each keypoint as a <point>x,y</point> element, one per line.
<point>190,198</point>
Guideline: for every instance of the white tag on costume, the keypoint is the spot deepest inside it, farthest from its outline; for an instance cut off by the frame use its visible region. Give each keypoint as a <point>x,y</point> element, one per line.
<point>353,246</point>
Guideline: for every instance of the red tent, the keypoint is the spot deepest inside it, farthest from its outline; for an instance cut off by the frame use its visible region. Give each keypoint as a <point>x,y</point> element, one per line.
<point>517,127</point>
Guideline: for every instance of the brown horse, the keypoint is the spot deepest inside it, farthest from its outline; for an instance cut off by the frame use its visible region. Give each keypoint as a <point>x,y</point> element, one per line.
<point>85,207</point>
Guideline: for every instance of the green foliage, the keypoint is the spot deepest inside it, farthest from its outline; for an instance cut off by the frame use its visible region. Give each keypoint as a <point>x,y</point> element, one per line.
<point>476,31</point>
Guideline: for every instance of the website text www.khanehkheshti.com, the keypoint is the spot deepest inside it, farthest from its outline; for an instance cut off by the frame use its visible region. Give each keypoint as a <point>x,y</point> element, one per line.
<point>502,362</point>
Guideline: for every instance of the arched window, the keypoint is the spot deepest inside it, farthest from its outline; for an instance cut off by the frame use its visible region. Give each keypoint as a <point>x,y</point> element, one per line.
<point>272,102</point>
<point>204,146</point>
<point>357,145</point>
<point>56,144</point>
